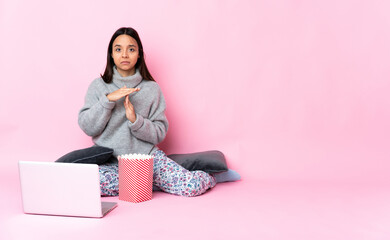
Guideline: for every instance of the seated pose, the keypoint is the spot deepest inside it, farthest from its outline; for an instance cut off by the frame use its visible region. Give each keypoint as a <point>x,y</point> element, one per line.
<point>124,110</point>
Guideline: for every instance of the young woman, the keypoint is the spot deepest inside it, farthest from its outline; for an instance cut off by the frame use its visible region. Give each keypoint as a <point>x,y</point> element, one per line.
<point>125,110</point>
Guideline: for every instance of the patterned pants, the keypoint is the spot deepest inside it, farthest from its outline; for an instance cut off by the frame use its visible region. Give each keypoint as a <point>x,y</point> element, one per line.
<point>167,175</point>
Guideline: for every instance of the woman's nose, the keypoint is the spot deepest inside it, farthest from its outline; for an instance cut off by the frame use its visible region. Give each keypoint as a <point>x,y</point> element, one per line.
<point>124,54</point>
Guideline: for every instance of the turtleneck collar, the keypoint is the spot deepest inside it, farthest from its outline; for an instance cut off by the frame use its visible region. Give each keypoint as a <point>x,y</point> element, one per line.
<point>130,81</point>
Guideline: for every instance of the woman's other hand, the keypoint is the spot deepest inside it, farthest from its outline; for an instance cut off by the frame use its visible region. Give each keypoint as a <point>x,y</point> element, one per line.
<point>130,113</point>
<point>120,93</point>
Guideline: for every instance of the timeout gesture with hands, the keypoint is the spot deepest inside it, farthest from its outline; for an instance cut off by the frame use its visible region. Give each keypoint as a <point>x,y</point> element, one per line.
<point>125,92</point>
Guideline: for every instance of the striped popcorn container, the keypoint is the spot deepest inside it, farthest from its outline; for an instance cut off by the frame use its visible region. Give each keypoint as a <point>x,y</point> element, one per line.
<point>135,177</point>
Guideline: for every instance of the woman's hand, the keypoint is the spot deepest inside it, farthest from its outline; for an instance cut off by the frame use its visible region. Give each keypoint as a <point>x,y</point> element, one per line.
<point>130,113</point>
<point>120,93</point>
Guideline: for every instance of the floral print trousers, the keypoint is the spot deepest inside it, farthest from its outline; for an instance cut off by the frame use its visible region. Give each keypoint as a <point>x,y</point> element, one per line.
<point>167,175</point>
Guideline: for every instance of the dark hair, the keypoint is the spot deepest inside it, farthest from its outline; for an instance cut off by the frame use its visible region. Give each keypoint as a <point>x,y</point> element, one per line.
<point>141,65</point>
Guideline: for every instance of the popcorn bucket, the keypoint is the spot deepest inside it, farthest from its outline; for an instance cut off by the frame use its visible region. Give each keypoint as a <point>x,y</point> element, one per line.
<point>135,177</point>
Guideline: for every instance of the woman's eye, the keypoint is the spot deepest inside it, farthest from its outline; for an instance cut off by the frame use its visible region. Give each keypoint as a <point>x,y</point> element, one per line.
<point>117,49</point>
<point>132,50</point>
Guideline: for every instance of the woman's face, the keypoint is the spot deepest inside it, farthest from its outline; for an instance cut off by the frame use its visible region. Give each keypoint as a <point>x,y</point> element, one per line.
<point>125,54</point>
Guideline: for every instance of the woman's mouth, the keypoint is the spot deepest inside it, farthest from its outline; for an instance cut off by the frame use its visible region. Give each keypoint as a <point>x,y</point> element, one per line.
<point>125,63</point>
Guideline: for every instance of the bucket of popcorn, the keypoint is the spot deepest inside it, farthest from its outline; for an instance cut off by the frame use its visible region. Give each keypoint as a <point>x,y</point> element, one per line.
<point>135,177</point>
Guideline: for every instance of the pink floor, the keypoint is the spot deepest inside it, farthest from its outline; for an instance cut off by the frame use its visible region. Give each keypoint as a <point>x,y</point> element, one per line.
<point>248,209</point>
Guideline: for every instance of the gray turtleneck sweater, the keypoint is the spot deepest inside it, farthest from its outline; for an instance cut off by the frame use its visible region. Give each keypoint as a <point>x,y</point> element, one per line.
<point>106,121</point>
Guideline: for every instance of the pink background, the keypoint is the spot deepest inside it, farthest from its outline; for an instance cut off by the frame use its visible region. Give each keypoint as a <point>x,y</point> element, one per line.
<point>288,90</point>
<point>293,92</point>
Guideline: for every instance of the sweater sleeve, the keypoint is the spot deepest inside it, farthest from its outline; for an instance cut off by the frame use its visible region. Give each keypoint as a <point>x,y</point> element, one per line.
<point>96,112</point>
<point>152,129</point>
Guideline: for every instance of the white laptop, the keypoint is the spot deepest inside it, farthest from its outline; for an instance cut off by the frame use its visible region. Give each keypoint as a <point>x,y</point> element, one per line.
<point>65,189</point>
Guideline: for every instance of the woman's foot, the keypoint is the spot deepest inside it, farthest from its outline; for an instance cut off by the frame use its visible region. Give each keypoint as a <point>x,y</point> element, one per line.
<point>228,176</point>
